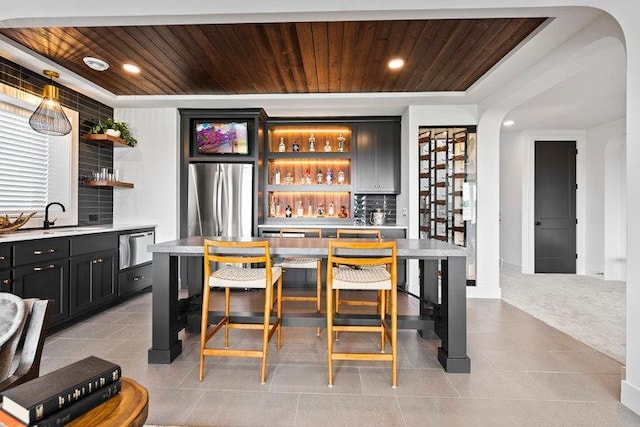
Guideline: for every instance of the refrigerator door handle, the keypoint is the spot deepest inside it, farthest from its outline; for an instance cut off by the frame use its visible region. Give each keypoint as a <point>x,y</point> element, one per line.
<point>219,191</point>
<point>214,201</point>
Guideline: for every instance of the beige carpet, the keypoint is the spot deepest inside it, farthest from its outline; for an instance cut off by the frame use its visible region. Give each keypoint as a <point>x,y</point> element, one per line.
<point>589,309</point>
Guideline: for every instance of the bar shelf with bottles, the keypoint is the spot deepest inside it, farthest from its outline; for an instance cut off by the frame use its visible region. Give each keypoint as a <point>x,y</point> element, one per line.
<point>308,169</point>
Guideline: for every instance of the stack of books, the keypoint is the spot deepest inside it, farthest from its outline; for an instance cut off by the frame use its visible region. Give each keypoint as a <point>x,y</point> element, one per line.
<point>60,396</point>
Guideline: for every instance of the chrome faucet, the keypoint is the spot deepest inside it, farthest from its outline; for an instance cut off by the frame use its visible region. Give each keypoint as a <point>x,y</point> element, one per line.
<point>48,223</point>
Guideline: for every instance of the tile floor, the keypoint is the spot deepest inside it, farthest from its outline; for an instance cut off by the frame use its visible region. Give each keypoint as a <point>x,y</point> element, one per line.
<point>524,373</point>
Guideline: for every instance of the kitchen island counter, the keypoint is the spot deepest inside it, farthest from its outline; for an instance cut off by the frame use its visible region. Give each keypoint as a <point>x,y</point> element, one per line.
<point>442,308</point>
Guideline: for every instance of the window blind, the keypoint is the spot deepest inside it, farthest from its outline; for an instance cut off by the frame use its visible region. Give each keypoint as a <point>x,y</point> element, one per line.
<point>24,165</point>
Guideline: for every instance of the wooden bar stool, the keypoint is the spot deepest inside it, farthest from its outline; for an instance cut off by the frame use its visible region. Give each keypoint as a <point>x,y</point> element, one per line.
<point>229,276</point>
<point>358,234</point>
<point>374,272</point>
<point>304,263</point>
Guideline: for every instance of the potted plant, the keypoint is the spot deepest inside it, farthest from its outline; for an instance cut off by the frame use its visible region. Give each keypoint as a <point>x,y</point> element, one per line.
<point>118,129</point>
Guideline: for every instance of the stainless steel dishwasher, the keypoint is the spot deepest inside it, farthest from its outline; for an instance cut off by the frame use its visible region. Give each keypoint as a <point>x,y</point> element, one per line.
<point>133,248</point>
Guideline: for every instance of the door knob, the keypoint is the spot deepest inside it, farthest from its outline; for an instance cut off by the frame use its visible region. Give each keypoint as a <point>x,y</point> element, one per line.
<point>538,223</point>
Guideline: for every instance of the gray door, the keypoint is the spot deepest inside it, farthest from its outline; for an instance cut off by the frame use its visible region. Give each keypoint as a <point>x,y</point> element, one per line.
<point>555,207</point>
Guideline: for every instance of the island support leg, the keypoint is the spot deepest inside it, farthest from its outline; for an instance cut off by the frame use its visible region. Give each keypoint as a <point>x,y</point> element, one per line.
<point>452,322</point>
<point>428,294</point>
<point>165,345</point>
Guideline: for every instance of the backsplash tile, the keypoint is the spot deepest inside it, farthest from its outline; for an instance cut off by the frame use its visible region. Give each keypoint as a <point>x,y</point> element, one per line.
<point>92,202</point>
<point>365,204</point>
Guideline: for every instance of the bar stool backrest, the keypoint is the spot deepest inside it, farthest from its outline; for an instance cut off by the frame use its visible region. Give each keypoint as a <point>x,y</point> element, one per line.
<point>222,251</point>
<point>358,233</point>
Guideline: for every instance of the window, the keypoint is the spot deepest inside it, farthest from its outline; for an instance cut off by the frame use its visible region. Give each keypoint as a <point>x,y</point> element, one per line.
<point>35,169</point>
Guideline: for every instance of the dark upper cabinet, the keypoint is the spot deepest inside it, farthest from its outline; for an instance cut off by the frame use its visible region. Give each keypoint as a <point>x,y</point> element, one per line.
<point>46,280</point>
<point>92,281</point>
<point>377,166</point>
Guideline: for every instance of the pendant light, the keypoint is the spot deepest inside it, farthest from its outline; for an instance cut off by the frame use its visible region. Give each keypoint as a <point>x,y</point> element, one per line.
<point>49,118</point>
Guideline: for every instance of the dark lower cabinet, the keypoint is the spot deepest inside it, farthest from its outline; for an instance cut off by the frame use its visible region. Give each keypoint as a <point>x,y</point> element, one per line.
<point>5,281</point>
<point>92,281</point>
<point>134,279</point>
<point>47,280</point>
<point>79,273</point>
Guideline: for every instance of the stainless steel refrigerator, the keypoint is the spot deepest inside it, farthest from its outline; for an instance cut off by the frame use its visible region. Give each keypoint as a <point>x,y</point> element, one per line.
<point>220,200</point>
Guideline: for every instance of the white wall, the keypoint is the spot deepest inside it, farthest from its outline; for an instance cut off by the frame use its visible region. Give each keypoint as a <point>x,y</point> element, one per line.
<point>152,166</point>
<point>511,160</point>
<point>615,210</point>
<point>412,119</point>
<point>597,139</point>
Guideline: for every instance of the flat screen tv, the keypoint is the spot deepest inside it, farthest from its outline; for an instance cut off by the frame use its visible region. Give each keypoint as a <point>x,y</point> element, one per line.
<point>222,138</point>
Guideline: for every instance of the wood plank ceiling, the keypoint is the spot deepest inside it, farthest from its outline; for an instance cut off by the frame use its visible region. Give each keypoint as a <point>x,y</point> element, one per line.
<point>299,57</point>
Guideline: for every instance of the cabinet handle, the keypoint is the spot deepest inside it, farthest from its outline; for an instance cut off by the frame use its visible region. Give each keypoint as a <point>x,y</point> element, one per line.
<point>43,251</point>
<point>136,278</point>
<point>2,257</point>
<point>99,260</point>
<point>46,267</point>
<point>6,282</point>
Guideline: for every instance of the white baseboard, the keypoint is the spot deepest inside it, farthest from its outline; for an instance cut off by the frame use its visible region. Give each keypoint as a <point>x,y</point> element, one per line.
<point>594,273</point>
<point>630,396</point>
<point>479,292</point>
<point>508,267</point>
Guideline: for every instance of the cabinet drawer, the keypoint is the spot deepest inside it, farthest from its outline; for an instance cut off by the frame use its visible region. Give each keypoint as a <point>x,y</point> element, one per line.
<point>5,256</point>
<point>135,279</point>
<point>93,243</point>
<point>5,281</point>
<point>40,250</point>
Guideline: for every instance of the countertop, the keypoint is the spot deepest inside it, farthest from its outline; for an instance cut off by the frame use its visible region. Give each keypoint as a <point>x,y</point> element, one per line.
<point>407,248</point>
<point>33,234</point>
<point>349,226</point>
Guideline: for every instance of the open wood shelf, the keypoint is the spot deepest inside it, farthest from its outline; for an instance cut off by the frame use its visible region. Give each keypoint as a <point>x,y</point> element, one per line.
<point>106,139</point>
<point>105,183</point>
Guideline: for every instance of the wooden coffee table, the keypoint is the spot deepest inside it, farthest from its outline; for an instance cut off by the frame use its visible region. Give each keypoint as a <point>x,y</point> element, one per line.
<point>129,408</point>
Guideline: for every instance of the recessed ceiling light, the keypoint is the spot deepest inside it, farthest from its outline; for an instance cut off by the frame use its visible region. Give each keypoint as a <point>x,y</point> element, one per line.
<point>130,68</point>
<point>95,63</point>
<point>396,63</point>
<point>508,123</point>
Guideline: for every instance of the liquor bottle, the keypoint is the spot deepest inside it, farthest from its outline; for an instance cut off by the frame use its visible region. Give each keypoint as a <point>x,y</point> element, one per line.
<point>329,177</point>
<point>340,177</point>
<point>327,146</point>
<point>310,210</point>
<point>272,208</point>
<point>307,177</point>
<point>312,143</point>
<point>277,177</point>
<point>331,210</point>
<point>341,140</point>
<point>319,177</point>
<point>300,209</point>
<point>278,209</point>
<point>281,146</point>
<point>296,146</point>
<point>287,211</point>
<point>288,180</point>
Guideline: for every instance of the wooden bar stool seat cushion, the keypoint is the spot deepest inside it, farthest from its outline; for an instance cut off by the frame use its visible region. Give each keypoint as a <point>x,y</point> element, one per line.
<point>299,262</point>
<point>239,277</point>
<point>362,278</point>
